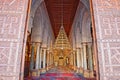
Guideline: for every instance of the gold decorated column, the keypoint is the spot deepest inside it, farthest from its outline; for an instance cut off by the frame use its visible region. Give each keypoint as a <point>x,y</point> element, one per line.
<point>71,59</point>
<point>50,58</point>
<point>74,59</point>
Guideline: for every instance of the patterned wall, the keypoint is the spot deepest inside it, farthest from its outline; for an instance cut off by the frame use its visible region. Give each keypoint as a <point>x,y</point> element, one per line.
<point>12,24</point>
<point>107,23</point>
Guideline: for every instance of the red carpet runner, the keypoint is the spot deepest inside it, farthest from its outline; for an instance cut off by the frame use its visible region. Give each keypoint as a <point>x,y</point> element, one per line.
<point>59,73</point>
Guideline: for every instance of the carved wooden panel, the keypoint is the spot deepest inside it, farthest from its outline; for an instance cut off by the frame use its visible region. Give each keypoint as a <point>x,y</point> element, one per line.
<point>12,24</point>
<point>107,23</point>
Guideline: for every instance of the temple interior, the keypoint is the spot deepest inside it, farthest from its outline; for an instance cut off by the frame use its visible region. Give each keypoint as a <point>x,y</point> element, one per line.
<point>60,41</point>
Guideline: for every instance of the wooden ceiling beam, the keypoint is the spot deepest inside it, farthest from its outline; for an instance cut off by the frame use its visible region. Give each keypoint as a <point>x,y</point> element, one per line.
<point>54,12</point>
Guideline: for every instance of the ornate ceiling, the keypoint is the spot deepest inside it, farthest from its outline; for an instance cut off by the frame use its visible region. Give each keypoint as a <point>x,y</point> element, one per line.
<point>58,8</point>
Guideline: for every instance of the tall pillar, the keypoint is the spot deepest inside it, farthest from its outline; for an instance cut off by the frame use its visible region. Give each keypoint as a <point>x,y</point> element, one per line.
<point>71,59</point>
<point>78,57</point>
<point>74,58</point>
<point>82,57</point>
<point>90,56</point>
<point>32,57</point>
<point>44,58</point>
<point>81,61</point>
<point>51,58</point>
<point>85,56</point>
<point>48,58</point>
<point>37,56</point>
<point>90,59</point>
<point>40,58</point>
<point>85,66</point>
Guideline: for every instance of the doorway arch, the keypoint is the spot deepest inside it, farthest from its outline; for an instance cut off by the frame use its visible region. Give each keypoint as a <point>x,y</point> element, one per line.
<point>88,8</point>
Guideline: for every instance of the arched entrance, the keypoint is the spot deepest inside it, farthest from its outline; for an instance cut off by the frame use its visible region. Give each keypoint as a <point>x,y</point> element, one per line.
<point>82,36</point>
